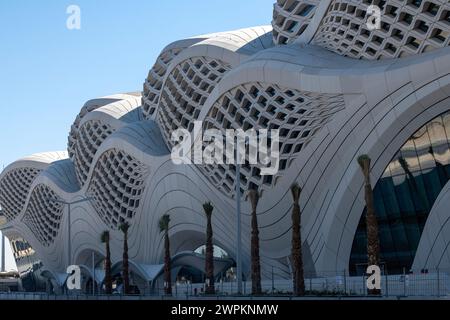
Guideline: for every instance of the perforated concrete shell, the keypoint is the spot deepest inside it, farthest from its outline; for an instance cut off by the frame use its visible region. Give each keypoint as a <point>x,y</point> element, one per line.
<point>291,18</point>
<point>407,28</point>
<point>227,47</point>
<point>154,82</point>
<point>196,71</point>
<point>330,109</point>
<point>297,115</point>
<point>14,190</point>
<point>16,181</point>
<point>43,215</point>
<point>129,100</point>
<point>116,186</point>
<point>96,126</point>
<point>186,91</point>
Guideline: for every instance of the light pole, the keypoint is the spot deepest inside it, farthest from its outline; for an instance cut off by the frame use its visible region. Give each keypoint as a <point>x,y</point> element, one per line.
<point>93,273</point>
<point>238,224</point>
<point>3,253</point>
<point>69,223</point>
<point>239,214</point>
<point>3,262</point>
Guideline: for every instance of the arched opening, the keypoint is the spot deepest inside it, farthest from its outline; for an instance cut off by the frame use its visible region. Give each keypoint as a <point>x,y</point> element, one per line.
<point>194,273</point>
<point>140,277</point>
<point>117,284</point>
<point>92,268</point>
<point>188,256</point>
<point>227,275</point>
<point>404,197</point>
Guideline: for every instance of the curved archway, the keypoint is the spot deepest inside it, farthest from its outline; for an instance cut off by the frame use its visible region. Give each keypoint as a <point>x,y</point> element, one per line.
<point>55,281</point>
<point>141,276</point>
<point>189,241</point>
<point>188,261</point>
<point>385,138</point>
<point>91,263</point>
<point>405,195</point>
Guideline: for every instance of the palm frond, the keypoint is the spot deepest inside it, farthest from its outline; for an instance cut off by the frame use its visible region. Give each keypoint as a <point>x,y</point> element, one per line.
<point>364,161</point>
<point>124,227</point>
<point>164,222</point>
<point>296,190</point>
<point>209,208</point>
<point>105,236</point>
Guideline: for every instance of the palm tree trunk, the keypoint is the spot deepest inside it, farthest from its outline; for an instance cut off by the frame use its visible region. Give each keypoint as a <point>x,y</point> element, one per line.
<point>372,229</point>
<point>126,277</point>
<point>373,245</point>
<point>297,255</point>
<point>209,255</point>
<point>167,265</point>
<point>256,265</point>
<point>108,278</point>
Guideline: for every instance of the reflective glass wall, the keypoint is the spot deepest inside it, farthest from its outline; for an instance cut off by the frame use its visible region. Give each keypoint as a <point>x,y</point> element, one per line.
<point>404,197</point>
<point>28,265</point>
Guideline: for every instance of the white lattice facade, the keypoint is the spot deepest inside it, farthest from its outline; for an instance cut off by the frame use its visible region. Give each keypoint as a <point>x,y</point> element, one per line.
<point>334,90</point>
<point>407,28</point>
<point>154,82</point>
<point>186,91</point>
<point>297,115</point>
<point>43,215</point>
<point>291,18</point>
<point>90,137</point>
<point>14,190</point>
<point>117,187</point>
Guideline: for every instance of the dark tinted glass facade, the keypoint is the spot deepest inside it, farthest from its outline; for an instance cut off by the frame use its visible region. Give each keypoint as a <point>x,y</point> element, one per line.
<point>28,265</point>
<point>404,197</point>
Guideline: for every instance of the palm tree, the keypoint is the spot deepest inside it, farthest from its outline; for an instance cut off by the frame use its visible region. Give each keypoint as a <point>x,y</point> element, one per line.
<point>108,279</point>
<point>209,259</point>
<point>373,245</point>
<point>256,266</point>
<point>164,227</point>
<point>126,274</point>
<point>297,256</point>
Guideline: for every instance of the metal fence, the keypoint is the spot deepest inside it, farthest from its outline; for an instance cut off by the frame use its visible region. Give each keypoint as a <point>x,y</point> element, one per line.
<point>333,284</point>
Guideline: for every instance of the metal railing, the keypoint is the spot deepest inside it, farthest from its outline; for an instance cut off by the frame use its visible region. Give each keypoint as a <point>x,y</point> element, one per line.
<point>431,285</point>
<point>335,284</point>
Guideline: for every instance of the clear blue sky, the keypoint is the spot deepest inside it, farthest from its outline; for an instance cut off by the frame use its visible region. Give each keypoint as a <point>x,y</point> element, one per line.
<point>47,72</point>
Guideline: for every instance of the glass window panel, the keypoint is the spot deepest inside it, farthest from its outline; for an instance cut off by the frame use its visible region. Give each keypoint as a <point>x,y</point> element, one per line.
<point>413,233</point>
<point>379,205</point>
<point>404,198</point>
<point>386,241</point>
<point>399,236</point>
<point>394,167</point>
<point>408,153</point>
<point>389,198</point>
<point>422,143</point>
<point>446,121</point>
<point>439,144</point>
<point>419,193</point>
